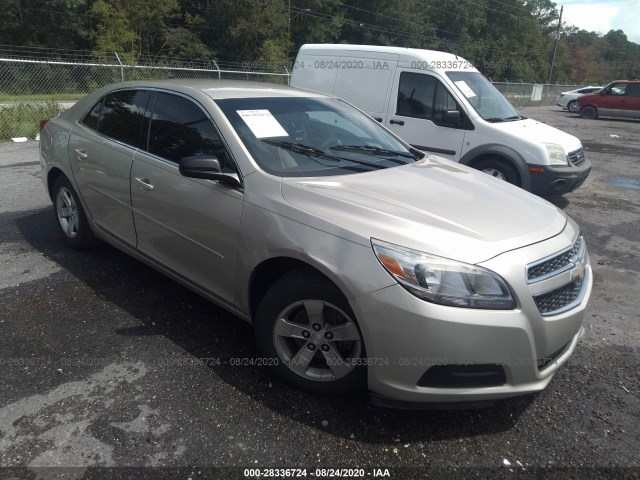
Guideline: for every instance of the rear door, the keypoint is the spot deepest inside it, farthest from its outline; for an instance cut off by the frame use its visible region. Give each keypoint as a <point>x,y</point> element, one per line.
<point>631,104</point>
<point>417,110</point>
<point>101,149</point>
<point>188,225</point>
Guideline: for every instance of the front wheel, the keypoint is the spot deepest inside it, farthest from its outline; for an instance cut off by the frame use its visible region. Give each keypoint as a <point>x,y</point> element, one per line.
<point>571,106</point>
<point>589,112</point>
<point>70,217</point>
<point>499,169</point>
<point>306,329</point>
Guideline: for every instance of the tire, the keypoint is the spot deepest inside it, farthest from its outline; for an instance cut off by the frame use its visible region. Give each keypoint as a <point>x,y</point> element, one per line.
<point>499,169</point>
<point>571,106</point>
<point>309,354</point>
<point>70,217</point>
<point>589,112</point>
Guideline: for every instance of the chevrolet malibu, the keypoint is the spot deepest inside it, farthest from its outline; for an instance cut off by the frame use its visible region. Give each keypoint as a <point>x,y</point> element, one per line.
<point>361,262</point>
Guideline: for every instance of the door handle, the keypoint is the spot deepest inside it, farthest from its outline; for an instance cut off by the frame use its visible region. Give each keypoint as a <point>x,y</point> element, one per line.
<point>378,119</point>
<point>145,183</point>
<point>81,154</point>
<point>399,122</point>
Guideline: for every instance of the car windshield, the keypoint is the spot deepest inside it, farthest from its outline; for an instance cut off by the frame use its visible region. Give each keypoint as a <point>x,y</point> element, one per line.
<point>308,136</point>
<point>484,97</point>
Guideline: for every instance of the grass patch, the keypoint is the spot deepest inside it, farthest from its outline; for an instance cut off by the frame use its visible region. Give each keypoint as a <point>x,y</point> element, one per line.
<point>60,97</point>
<point>22,118</point>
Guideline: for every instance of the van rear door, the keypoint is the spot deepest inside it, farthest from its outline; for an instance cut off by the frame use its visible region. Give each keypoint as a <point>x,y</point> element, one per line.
<point>416,113</point>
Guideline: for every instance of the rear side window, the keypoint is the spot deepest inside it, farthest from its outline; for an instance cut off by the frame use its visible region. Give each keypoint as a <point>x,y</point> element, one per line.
<point>91,119</point>
<point>633,90</point>
<point>123,114</point>
<point>180,128</point>
<point>119,115</point>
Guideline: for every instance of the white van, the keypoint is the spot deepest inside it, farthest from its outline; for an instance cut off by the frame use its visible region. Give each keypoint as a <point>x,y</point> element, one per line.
<point>438,102</point>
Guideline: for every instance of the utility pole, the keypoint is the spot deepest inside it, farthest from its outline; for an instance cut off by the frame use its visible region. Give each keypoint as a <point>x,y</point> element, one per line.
<point>555,45</point>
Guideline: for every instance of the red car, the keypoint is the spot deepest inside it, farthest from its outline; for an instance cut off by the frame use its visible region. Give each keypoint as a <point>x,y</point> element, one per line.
<point>621,98</point>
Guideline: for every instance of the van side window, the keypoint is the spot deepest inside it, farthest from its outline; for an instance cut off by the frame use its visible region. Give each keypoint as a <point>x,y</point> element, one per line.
<point>415,95</point>
<point>424,96</point>
<point>633,90</point>
<point>617,89</point>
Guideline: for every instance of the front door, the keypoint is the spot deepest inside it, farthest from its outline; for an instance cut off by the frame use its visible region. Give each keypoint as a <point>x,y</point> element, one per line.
<point>188,225</point>
<point>417,114</point>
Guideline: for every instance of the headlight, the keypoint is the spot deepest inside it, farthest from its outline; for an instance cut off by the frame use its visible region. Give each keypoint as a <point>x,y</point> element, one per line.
<point>556,154</point>
<point>443,281</point>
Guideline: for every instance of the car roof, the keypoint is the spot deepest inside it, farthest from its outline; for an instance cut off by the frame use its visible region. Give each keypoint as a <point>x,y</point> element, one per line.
<point>219,89</point>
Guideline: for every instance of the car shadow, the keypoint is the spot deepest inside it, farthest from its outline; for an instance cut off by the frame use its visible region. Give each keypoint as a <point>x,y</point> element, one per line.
<point>206,331</point>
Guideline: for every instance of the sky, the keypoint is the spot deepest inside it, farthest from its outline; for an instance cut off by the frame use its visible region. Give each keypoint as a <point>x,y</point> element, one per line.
<point>602,15</point>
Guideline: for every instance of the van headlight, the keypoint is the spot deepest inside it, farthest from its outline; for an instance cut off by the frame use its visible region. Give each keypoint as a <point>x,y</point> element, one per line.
<point>556,154</point>
<point>443,281</point>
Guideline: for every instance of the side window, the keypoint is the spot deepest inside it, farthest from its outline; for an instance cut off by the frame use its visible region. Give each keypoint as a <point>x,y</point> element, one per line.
<point>415,95</point>
<point>122,115</point>
<point>424,96</point>
<point>91,119</point>
<point>617,89</point>
<point>443,103</point>
<point>180,128</point>
<point>633,90</point>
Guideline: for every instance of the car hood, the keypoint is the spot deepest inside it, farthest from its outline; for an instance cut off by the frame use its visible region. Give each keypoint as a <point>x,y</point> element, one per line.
<point>539,132</point>
<point>434,205</point>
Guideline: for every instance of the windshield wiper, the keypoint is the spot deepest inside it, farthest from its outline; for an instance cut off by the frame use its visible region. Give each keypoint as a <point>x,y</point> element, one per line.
<point>374,150</point>
<point>505,119</point>
<point>313,152</point>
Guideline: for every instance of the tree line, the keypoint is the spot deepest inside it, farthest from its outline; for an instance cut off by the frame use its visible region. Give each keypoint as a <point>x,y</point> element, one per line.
<point>505,39</point>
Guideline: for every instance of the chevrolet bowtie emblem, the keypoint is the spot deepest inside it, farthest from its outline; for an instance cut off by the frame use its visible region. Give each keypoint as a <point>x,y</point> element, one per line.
<point>578,270</point>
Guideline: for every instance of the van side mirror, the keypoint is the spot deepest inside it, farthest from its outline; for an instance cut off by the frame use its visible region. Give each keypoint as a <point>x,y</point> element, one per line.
<point>453,117</point>
<point>206,168</point>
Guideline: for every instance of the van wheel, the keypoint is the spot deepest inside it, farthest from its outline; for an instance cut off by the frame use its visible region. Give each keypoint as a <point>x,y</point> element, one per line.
<point>589,112</point>
<point>306,330</point>
<point>70,217</point>
<point>499,169</point>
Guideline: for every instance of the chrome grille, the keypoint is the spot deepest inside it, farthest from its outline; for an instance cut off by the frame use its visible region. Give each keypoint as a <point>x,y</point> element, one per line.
<point>577,157</point>
<point>560,298</point>
<point>562,261</point>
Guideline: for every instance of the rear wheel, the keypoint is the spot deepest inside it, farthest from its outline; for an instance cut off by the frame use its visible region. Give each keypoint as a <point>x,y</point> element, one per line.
<point>70,216</point>
<point>589,112</point>
<point>499,169</point>
<point>306,329</point>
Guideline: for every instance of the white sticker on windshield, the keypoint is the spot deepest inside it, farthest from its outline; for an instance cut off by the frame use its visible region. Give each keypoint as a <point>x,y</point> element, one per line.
<point>262,123</point>
<point>465,89</point>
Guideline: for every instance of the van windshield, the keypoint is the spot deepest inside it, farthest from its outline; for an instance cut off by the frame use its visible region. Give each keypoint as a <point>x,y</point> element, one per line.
<point>308,136</point>
<point>484,97</point>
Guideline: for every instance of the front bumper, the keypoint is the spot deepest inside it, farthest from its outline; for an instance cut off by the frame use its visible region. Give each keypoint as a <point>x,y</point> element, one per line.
<point>554,181</point>
<point>406,336</point>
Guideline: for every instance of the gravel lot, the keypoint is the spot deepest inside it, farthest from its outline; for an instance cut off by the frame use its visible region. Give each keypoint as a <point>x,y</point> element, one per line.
<point>105,362</point>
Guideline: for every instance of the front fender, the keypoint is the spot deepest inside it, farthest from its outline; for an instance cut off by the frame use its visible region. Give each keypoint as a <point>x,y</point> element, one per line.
<point>504,152</point>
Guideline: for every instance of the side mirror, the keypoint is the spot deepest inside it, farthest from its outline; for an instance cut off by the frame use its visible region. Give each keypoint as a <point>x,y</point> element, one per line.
<point>602,92</point>
<point>453,117</point>
<point>207,168</point>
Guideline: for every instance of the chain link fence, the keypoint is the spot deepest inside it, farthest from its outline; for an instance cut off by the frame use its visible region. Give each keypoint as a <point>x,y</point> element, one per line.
<point>522,94</point>
<point>32,90</point>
